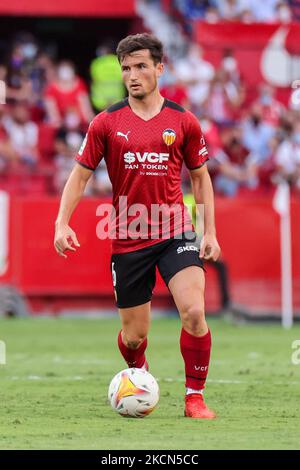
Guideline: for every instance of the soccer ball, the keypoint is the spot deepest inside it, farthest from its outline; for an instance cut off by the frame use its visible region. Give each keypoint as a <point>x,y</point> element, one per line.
<point>133,392</point>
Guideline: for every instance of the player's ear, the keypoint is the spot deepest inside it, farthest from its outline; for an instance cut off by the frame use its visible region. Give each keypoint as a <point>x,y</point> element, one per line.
<point>159,69</point>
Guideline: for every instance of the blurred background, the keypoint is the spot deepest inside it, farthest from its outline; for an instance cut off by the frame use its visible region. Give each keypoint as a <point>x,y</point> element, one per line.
<point>234,63</point>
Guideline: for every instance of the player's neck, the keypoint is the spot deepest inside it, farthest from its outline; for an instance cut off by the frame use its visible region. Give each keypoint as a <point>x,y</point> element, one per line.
<point>148,107</point>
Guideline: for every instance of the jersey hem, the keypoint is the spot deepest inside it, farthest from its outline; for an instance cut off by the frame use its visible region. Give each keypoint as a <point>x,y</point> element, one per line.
<point>84,165</point>
<point>121,250</point>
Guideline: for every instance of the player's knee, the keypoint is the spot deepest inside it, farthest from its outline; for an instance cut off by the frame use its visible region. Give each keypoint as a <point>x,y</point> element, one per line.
<point>194,319</point>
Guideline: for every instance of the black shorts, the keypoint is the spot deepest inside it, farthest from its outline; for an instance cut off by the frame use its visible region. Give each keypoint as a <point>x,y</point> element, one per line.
<point>133,273</point>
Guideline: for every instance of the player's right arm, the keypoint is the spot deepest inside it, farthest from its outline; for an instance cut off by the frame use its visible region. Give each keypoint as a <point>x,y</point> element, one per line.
<point>89,156</point>
<point>65,238</point>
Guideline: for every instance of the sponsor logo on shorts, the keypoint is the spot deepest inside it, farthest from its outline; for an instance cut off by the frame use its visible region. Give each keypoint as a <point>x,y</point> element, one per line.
<point>182,249</point>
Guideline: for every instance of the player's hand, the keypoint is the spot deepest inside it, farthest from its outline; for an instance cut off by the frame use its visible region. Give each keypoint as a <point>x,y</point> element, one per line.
<point>65,239</point>
<point>209,248</point>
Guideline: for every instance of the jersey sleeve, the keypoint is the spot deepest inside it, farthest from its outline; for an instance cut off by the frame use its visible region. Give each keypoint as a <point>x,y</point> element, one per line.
<point>195,153</point>
<point>92,148</point>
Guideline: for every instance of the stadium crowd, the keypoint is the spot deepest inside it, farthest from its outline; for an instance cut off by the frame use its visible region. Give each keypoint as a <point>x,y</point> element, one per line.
<point>246,11</point>
<point>253,141</point>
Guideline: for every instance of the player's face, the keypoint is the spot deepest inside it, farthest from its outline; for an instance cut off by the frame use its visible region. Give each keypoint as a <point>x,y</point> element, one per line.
<point>140,74</point>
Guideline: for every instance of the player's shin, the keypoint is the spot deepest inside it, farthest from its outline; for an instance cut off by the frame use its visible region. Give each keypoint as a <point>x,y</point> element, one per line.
<point>135,357</point>
<point>195,351</point>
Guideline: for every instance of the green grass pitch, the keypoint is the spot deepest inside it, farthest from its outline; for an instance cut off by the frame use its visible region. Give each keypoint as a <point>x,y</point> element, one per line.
<point>53,392</point>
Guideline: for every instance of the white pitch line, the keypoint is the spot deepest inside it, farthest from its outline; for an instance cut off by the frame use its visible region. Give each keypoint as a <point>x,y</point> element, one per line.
<point>231,382</point>
<point>38,377</point>
<point>97,362</point>
<point>164,379</point>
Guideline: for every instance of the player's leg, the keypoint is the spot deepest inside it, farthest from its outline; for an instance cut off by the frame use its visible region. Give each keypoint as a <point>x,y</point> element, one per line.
<point>132,339</point>
<point>187,288</point>
<point>133,276</point>
<point>182,271</point>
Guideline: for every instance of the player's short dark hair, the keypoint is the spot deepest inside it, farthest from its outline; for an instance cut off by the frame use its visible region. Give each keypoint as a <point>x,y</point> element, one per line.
<point>137,42</point>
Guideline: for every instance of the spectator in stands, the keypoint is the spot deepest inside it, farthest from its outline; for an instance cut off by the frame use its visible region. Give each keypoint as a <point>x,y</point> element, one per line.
<point>257,134</point>
<point>67,92</point>
<point>271,109</point>
<point>25,75</point>
<point>287,158</point>
<point>213,142</point>
<point>63,159</point>
<point>195,74</point>
<point>223,99</point>
<point>236,166</point>
<point>195,9</point>
<point>262,11</point>
<point>230,9</point>
<point>268,167</point>
<point>15,74</point>
<point>246,11</point>
<point>230,66</point>
<point>211,134</point>
<point>107,86</point>
<point>286,125</point>
<point>172,89</point>
<point>247,16</point>
<point>212,15</point>
<point>22,134</point>
<point>42,74</point>
<point>295,7</point>
<point>284,13</point>
<point>67,143</point>
<point>45,63</point>
<point>7,153</point>
<point>101,185</point>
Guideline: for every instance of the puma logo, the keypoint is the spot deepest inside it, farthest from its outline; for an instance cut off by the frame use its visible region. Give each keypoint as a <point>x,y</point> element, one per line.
<point>123,135</point>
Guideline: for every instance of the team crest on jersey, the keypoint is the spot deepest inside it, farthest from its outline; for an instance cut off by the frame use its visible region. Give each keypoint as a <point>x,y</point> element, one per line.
<point>169,136</point>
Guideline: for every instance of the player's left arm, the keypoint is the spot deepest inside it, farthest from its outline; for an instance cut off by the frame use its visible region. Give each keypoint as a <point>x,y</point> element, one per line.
<point>204,194</point>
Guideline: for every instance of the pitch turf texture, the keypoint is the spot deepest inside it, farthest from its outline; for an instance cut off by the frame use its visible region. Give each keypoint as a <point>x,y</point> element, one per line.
<point>54,388</point>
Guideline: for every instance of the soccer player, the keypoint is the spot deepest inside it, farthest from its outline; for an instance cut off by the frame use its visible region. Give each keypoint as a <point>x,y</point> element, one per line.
<point>144,140</point>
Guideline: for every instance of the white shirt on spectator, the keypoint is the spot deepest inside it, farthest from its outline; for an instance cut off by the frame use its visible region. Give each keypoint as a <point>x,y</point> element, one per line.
<point>23,137</point>
<point>199,70</point>
<point>230,10</point>
<point>288,156</point>
<point>262,10</point>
